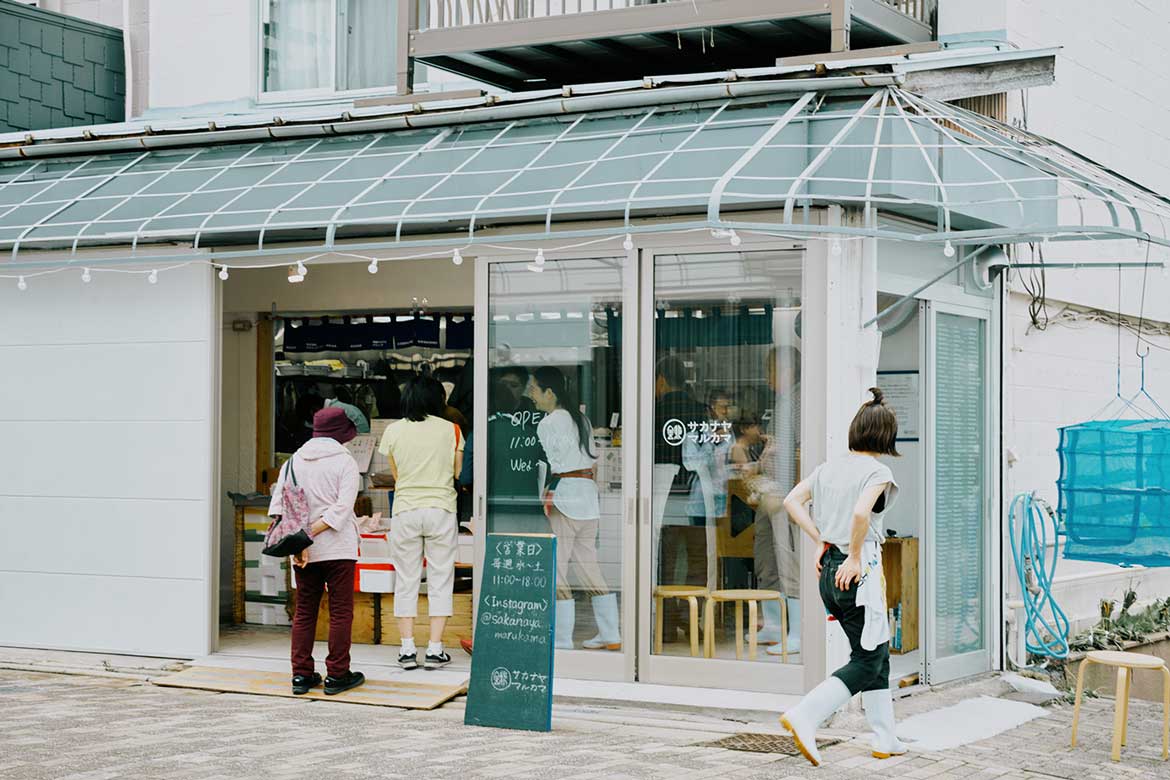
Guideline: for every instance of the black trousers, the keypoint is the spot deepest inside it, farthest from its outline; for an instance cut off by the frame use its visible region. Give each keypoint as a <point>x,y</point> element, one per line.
<point>867,670</point>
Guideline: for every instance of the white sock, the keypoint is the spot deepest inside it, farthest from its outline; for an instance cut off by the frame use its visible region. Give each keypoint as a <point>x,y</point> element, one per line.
<point>408,647</point>
<point>434,648</point>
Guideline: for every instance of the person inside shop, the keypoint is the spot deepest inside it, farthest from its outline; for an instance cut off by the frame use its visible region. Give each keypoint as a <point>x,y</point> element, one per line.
<point>515,380</point>
<point>573,507</point>
<point>360,421</point>
<point>777,541</point>
<point>707,453</point>
<point>675,412</point>
<point>329,476</point>
<point>849,494</point>
<point>425,453</point>
<point>513,474</point>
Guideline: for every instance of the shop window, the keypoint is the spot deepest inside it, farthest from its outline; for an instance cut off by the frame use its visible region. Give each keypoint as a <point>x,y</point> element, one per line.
<point>318,47</point>
<point>727,446</point>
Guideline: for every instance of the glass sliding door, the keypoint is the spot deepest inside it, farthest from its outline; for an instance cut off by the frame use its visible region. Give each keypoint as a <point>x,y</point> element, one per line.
<point>719,450</point>
<point>554,375</point>
<point>958,510</point>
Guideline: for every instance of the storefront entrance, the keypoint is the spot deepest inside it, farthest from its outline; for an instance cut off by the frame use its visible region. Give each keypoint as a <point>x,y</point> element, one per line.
<point>671,377</point>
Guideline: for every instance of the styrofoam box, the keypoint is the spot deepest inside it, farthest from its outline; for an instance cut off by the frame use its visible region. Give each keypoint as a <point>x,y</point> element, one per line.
<point>265,614</point>
<point>465,552</point>
<point>375,581</point>
<point>266,582</point>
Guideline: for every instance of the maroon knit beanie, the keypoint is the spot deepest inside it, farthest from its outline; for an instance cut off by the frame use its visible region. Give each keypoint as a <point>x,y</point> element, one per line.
<point>333,423</point>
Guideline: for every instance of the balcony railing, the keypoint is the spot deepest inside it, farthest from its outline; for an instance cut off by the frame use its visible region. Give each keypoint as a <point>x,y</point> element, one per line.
<point>442,14</point>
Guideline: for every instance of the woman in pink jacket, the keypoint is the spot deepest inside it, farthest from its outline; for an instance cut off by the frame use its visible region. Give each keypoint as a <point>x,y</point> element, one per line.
<point>329,476</point>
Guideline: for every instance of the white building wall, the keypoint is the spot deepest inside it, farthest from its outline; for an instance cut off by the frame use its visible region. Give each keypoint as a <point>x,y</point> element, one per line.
<point>106,473</point>
<point>201,52</point>
<point>1111,104</point>
<point>107,12</point>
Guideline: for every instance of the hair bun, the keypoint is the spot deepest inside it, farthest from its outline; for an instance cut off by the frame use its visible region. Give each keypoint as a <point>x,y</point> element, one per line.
<point>878,396</point>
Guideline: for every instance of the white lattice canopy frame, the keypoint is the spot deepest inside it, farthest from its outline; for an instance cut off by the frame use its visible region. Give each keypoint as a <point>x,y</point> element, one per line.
<point>759,163</point>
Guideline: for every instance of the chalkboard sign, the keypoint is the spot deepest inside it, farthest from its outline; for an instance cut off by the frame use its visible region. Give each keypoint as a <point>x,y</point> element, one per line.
<point>512,666</point>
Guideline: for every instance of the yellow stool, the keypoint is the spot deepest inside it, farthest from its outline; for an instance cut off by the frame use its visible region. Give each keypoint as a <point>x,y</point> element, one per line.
<point>1126,663</point>
<point>752,597</point>
<point>692,594</point>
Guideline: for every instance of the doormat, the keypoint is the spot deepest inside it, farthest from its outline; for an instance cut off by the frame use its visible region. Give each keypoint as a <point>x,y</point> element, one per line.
<point>383,693</point>
<point>971,720</point>
<point>763,743</point>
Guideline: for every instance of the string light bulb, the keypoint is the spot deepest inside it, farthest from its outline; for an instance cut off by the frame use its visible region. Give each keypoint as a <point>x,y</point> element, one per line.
<point>294,274</point>
<point>153,278</point>
<point>373,266</point>
<point>540,257</point>
<point>457,257</point>
<point>835,248</point>
<point>735,239</point>
<point>949,249</point>
<point>85,277</point>
<point>301,269</point>
<point>223,273</point>
<point>21,284</point>
<point>628,244</point>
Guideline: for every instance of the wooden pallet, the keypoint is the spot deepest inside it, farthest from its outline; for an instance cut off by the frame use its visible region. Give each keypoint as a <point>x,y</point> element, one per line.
<point>383,693</point>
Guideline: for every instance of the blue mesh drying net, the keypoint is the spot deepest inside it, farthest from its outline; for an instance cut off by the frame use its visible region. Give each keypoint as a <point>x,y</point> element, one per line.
<point>1115,491</point>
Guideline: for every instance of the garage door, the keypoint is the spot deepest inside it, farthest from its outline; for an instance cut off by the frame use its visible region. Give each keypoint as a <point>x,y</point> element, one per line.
<point>106,462</point>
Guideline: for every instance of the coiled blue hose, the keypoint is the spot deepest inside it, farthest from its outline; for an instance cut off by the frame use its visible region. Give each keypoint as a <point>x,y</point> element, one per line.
<point>1046,626</point>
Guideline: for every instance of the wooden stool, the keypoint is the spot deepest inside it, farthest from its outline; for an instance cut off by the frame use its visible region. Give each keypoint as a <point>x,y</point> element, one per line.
<point>692,594</point>
<point>752,597</point>
<point>1126,663</point>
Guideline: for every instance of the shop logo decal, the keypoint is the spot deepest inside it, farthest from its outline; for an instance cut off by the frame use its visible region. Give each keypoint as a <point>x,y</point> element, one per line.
<point>674,432</point>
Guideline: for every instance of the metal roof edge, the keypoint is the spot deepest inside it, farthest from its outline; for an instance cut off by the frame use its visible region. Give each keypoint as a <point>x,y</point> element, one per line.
<point>301,122</point>
<point>494,111</point>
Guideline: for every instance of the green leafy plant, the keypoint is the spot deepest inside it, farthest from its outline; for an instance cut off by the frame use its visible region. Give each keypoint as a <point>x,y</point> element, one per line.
<point>1112,633</point>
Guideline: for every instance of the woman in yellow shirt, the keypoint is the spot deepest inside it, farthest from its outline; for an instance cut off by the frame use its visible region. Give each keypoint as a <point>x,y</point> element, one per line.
<point>425,453</point>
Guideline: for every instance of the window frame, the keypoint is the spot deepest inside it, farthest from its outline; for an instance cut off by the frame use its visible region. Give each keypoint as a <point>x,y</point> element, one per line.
<point>338,71</point>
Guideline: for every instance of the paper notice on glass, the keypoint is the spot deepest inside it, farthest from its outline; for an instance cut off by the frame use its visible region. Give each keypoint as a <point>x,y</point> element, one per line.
<point>901,390</point>
<point>362,449</point>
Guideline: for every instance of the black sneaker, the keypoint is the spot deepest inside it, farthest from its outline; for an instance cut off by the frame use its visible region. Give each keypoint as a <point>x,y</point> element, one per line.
<point>335,685</point>
<point>408,661</point>
<point>302,684</point>
<point>437,661</point>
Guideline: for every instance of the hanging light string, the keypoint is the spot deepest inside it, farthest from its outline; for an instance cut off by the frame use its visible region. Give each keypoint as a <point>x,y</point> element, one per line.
<point>734,237</point>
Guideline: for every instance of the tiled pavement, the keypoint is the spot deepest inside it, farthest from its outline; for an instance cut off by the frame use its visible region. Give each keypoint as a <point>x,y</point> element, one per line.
<point>72,727</point>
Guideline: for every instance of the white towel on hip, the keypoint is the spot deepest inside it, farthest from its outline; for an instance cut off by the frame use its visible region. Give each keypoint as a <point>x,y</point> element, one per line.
<point>871,595</point>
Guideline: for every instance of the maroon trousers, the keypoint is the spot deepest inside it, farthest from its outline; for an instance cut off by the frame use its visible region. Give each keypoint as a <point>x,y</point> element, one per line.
<point>312,581</point>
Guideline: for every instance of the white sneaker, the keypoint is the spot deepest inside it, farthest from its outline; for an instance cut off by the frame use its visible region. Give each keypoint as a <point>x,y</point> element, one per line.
<point>813,710</point>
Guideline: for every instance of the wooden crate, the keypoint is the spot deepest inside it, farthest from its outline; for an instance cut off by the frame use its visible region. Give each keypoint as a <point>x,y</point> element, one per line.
<point>458,625</point>
<point>374,622</point>
<point>900,565</point>
<point>364,621</point>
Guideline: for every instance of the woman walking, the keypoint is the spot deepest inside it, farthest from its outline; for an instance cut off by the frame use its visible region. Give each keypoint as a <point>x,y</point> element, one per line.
<point>849,493</point>
<point>425,454</point>
<point>328,474</point>
<point>573,508</point>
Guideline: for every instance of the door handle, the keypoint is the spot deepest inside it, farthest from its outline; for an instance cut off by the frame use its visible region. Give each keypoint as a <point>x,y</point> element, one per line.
<point>646,511</point>
<point>631,511</point>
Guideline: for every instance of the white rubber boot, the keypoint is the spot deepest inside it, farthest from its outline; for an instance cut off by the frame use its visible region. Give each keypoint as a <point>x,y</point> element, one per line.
<point>814,709</point>
<point>770,633</point>
<point>609,636</point>
<point>793,629</point>
<point>566,616</point>
<point>879,711</point>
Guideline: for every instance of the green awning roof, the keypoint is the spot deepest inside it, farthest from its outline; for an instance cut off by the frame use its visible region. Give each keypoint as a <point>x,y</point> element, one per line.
<point>888,150</point>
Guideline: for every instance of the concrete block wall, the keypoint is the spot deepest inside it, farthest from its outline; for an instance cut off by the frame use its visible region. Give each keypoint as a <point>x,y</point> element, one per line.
<point>57,71</point>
